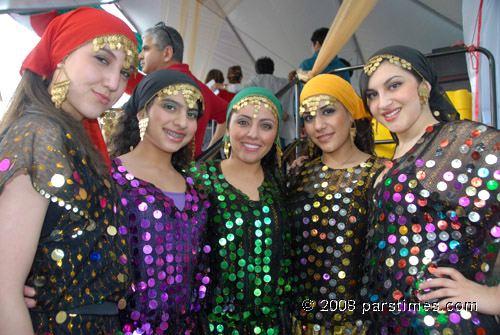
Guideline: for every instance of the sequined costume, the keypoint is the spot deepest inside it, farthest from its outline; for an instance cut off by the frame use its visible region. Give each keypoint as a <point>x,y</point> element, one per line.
<point>167,257</point>
<point>328,238</point>
<point>249,259</point>
<point>81,258</point>
<point>438,205</point>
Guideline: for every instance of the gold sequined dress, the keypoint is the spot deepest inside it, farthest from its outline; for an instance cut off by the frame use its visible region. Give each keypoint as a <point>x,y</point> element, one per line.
<point>328,238</point>
<point>80,270</point>
<point>250,255</point>
<point>438,205</point>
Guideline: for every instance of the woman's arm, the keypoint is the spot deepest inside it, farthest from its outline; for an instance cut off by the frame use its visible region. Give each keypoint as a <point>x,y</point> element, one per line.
<point>22,214</point>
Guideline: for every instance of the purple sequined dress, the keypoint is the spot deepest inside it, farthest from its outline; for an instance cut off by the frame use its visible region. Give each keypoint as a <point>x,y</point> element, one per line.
<point>168,256</point>
<point>437,206</point>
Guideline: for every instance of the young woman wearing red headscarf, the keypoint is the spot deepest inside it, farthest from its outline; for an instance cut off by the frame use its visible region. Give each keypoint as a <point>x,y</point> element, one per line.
<point>61,221</point>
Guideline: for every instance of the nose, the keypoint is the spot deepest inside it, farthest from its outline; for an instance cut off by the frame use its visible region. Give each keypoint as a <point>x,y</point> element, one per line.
<point>141,55</point>
<point>319,123</point>
<point>112,80</point>
<point>384,100</point>
<point>181,119</point>
<point>253,131</point>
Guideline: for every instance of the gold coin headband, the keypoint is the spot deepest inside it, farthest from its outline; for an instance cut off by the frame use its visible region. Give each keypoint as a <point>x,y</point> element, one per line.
<point>374,62</point>
<point>117,42</point>
<point>310,104</point>
<point>256,101</point>
<point>189,92</point>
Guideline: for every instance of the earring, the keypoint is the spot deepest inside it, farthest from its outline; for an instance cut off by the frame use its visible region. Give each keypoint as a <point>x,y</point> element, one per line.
<point>60,89</point>
<point>352,131</point>
<point>311,148</point>
<point>227,145</point>
<point>143,125</point>
<point>279,154</point>
<point>193,149</point>
<point>423,93</point>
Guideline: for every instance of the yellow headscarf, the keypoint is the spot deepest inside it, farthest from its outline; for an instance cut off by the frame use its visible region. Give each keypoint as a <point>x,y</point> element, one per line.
<point>331,87</point>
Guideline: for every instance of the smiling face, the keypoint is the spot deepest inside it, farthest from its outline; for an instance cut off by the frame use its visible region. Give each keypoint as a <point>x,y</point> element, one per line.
<point>394,101</point>
<point>172,124</point>
<point>97,80</point>
<point>329,127</point>
<point>252,134</point>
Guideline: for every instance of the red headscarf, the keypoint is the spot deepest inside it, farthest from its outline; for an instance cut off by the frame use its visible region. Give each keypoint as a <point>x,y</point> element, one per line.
<point>69,31</point>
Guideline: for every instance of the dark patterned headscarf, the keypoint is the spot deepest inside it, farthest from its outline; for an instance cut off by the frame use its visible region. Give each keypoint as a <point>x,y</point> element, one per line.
<point>165,82</point>
<point>414,61</point>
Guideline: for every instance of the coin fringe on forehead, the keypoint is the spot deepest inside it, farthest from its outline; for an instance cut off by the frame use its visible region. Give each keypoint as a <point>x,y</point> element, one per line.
<point>374,62</point>
<point>189,92</point>
<point>117,42</point>
<point>256,101</point>
<point>310,104</point>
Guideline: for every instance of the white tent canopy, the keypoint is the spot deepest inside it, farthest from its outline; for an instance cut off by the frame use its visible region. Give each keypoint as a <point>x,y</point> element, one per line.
<point>221,33</point>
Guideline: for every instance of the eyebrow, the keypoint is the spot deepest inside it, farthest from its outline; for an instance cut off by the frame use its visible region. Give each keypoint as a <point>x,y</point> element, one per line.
<point>172,101</point>
<point>385,82</point>
<point>109,52</point>
<point>251,118</point>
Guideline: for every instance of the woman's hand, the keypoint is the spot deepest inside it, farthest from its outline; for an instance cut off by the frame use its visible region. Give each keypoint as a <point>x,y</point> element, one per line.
<point>458,289</point>
<point>29,295</point>
<point>297,162</point>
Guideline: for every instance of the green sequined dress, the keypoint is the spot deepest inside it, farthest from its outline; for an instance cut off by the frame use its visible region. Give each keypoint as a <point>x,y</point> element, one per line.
<point>250,250</point>
<point>328,239</point>
<point>81,258</point>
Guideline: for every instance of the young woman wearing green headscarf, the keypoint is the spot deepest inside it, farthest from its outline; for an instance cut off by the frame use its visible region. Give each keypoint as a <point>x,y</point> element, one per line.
<point>247,221</point>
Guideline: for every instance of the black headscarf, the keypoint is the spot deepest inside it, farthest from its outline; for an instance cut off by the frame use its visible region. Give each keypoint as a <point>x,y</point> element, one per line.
<point>152,84</point>
<point>437,99</point>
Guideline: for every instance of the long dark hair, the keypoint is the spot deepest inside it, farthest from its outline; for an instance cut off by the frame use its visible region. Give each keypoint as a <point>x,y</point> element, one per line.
<point>32,96</point>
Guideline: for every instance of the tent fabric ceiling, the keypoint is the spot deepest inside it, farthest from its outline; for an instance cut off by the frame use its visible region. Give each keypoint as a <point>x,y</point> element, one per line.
<point>281,29</point>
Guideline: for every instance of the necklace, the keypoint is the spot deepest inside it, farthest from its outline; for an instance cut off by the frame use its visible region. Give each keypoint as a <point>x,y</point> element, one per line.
<point>340,166</point>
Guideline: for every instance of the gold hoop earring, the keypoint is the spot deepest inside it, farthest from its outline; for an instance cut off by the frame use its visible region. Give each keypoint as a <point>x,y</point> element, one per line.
<point>60,89</point>
<point>311,148</point>
<point>143,125</point>
<point>227,146</point>
<point>423,93</point>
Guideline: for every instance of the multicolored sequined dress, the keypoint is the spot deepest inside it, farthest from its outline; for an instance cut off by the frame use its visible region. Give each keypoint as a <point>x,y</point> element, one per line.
<point>328,239</point>
<point>168,256</point>
<point>81,263</point>
<point>250,255</point>
<point>438,205</point>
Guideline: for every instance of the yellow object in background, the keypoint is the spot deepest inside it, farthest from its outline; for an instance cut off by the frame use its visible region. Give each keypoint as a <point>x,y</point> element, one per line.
<point>462,100</point>
<point>381,133</point>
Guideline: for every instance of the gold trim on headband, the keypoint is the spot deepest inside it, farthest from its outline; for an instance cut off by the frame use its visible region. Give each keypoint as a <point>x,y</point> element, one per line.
<point>189,92</point>
<point>117,42</point>
<point>310,104</point>
<point>374,62</point>
<point>256,101</point>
